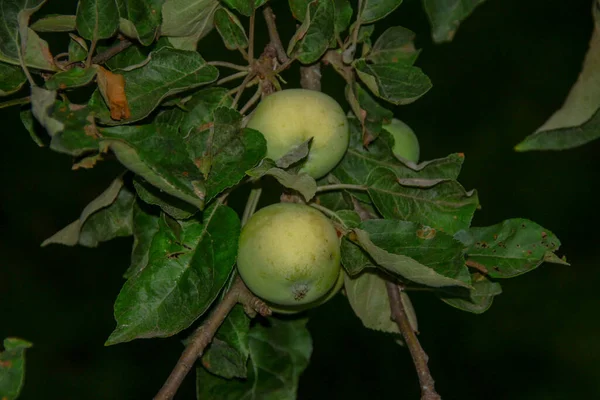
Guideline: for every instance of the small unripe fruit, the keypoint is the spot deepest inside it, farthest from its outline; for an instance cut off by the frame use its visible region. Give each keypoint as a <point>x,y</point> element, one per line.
<point>406,144</point>
<point>291,117</point>
<point>289,254</point>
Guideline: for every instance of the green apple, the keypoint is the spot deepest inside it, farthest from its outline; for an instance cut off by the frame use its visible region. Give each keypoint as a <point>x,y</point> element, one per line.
<point>291,117</point>
<point>406,144</point>
<point>324,299</point>
<point>289,254</point>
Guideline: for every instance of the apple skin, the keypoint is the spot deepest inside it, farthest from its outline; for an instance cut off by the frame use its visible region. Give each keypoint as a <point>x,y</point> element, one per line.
<point>324,299</point>
<point>289,254</point>
<point>290,117</point>
<point>406,144</point>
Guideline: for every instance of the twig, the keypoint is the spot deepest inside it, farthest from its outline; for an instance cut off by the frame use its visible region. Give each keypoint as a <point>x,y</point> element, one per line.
<point>310,77</point>
<point>251,204</point>
<point>251,38</point>
<point>229,65</point>
<point>340,186</point>
<point>110,52</point>
<point>479,267</point>
<point>240,89</point>
<point>416,351</point>
<point>252,100</point>
<point>274,35</point>
<point>89,58</point>
<point>205,333</point>
<point>231,77</point>
<point>327,212</point>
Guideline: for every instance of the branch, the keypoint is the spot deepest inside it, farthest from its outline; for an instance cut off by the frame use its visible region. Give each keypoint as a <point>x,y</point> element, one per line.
<point>111,52</point>
<point>274,35</point>
<point>340,186</point>
<point>310,77</point>
<point>205,333</point>
<point>416,351</point>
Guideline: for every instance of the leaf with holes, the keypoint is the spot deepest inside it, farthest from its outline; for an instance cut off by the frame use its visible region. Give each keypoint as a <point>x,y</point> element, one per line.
<point>510,248</point>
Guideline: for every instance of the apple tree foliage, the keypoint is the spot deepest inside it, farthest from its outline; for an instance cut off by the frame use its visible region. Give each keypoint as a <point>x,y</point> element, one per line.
<point>131,86</point>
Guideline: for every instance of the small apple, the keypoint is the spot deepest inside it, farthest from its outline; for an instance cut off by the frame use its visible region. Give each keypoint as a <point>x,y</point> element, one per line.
<point>289,254</point>
<point>291,117</point>
<point>406,144</point>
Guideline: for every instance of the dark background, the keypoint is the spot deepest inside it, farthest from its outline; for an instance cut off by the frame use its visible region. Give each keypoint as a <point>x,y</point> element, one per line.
<point>509,67</point>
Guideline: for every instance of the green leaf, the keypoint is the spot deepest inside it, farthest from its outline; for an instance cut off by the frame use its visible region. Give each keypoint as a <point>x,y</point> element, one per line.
<point>510,248</point>
<point>369,300</point>
<point>144,228</point>
<point>395,45</point>
<point>354,258</point>
<point>127,59</point>
<point>201,107</point>
<point>244,7</point>
<point>184,275</point>
<point>29,123</point>
<point>436,250</point>
<point>446,15</point>
<point>374,10</point>
<point>144,16</point>
<point>15,16</point>
<point>279,354</point>
<point>110,222</point>
<point>370,113</point>
<point>42,104</point>
<point>359,162</point>
<point>157,152</point>
<point>394,82</point>
<point>343,14</point>
<point>78,134</point>
<point>563,138</point>
<point>231,30</point>
<point>476,300</point>
<point>176,208</point>
<point>228,353</point>
<point>78,49</point>
<point>72,78</point>
<point>97,19</point>
<point>407,267</point>
<point>12,367</point>
<point>12,79</point>
<point>445,206</point>
<point>302,183</point>
<point>106,217</point>
<point>188,18</point>
<point>167,72</point>
<point>55,23</point>
<point>576,122</point>
<point>312,38</point>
